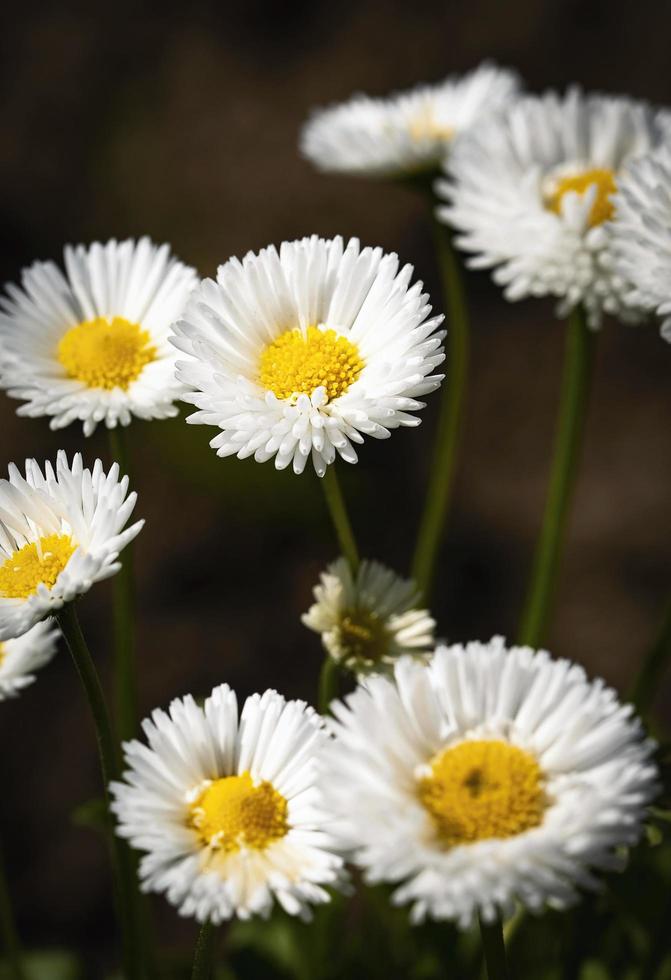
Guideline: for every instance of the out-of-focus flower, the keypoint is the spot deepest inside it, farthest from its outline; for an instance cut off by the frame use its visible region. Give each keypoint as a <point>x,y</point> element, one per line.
<point>91,345</point>
<point>367,621</point>
<point>60,531</point>
<point>229,810</point>
<point>19,658</point>
<point>486,779</point>
<point>301,352</point>
<point>408,132</point>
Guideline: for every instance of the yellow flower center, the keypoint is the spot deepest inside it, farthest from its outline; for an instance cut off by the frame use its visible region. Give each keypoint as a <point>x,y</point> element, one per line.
<point>297,363</point>
<point>483,789</point>
<point>3,652</point>
<point>602,208</point>
<point>362,636</point>
<point>232,813</point>
<point>106,353</point>
<point>425,126</point>
<point>40,562</point>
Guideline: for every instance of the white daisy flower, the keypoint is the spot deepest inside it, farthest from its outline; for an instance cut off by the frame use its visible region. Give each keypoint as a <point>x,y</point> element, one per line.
<point>407,132</point>
<point>229,810</point>
<point>369,620</point>
<point>531,193</point>
<point>301,352</point>
<point>641,233</point>
<point>19,658</point>
<point>60,531</point>
<point>92,344</point>
<point>486,779</point>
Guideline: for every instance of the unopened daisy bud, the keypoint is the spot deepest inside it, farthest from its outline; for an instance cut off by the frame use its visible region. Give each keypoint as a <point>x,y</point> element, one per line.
<point>91,344</point>
<point>19,658</point>
<point>297,354</point>
<point>368,620</point>
<point>61,530</point>
<point>228,810</point>
<point>406,133</point>
<point>487,779</point>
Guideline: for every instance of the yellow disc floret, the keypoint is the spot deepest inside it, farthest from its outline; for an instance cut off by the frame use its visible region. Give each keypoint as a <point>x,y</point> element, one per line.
<point>298,362</point>
<point>483,789</point>
<point>362,639</point>
<point>3,652</point>
<point>233,812</point>
<point>106,353</point>
<point>602,208</point>
<point>37,563</point>
<point>425,126</point>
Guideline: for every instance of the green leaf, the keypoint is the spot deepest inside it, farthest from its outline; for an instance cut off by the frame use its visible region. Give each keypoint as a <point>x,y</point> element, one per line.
<point>52,964</point>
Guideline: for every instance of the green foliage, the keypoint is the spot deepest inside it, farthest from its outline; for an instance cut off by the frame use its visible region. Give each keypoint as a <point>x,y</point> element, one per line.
<point>52,964</point>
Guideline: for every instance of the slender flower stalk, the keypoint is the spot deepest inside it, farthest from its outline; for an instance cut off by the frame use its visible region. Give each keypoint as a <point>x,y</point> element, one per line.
<point>328,684</point>
<point>578,369</point>
<point>494,950</point>
<point>433,519</point>
<point>341,522</point>
<point>655,662</point>
<point>203,960</point>
<point>8,930</point>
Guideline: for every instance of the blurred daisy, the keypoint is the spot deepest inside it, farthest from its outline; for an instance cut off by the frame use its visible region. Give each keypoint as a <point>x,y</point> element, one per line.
<point>642,233</point>
<point>369,620</point>
<point>300,352</point>
<point>19,658</point>
<point>60,531</point>
<point>91,345</point>
<point>532,195</point>
<point>229,810</point>
<point>487,779</point>
<point>405,133</point>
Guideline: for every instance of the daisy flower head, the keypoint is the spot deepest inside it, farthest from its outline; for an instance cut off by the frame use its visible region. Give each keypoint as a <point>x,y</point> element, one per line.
<point>19,658</point>
<point>406,133</point>
<point>228,808</point>
<point>370,619</point>
<point>300,352</point>
<point>90,343</point>
<point>531,194</point>
<point>488,779</point>
<point>61,530</point>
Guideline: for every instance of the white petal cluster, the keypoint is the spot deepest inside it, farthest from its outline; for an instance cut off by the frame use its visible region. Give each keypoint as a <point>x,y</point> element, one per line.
<point>496,196</point>
<point>21,657</point>
<point>596,763</point>
<point>359,293</point>
<point>275,740</point>
<point>369,620</point>
<point>90,506</point>
<point>408,132</point>
<point>133,280</point>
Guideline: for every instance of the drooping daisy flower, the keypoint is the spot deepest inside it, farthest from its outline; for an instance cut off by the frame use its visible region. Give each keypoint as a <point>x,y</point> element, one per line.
<point>19,658</point>
<point>531,194</point>
<point>369,620</point>
<point>229,810</point>
<point>407,132</point>
<point>60,531</point>
<point>91,345</point>
<point>488,778</point>
<point>301,352</point>
<point>642,233</point>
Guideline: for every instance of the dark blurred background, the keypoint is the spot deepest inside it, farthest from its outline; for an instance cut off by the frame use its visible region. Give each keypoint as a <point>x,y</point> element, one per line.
<point>181,122</point>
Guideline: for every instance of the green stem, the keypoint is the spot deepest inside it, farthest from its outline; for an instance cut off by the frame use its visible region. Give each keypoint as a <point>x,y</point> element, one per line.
<point>328,684</point>
<point>8,931</point>
<point>441,480</point>
<point>338,511</point>
<point>646,684</point>
<point>122,862</point>
<point>494,950</point>
<point>125,673</point>
<point>578,365</point>
<point>203,960</point>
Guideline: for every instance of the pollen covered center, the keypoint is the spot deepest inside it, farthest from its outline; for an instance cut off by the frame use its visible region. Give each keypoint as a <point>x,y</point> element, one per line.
<point>425,126</point>
<point>602,209</point>
<point>297,363</point>
<point>233,812</point>
<point>106,353</point>
<point>362,637</point>
<point>483,789</point>
<point>3,653</point>
<point>37,563</point>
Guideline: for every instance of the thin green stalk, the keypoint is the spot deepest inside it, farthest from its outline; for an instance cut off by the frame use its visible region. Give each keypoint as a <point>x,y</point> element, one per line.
<point>646,684</point>
<point>338,511</point>
<point>122,864</point>
<point>432,525</point>
<point>494,950</point>
<point>125,673</point>
<point>8,930</point>
<point>328,684</point>
<point>578,369</point>
<point>203,960</point>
